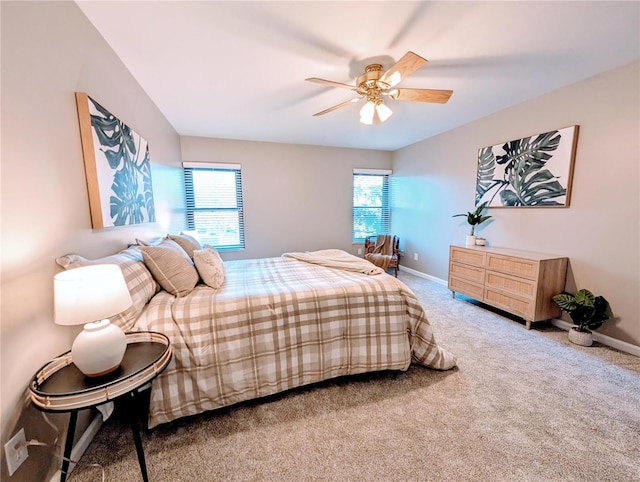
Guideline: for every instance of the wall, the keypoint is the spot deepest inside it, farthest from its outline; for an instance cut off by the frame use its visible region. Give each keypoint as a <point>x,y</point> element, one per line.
<point>295,197</point>
<point>599,232</point>
<point>49,51</point>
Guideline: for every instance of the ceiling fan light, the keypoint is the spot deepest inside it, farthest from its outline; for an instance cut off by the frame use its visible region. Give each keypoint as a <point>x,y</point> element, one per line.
<point>393,93</point>
<point>394,79</point>
<point>366,113</point>
<point>383,112</point>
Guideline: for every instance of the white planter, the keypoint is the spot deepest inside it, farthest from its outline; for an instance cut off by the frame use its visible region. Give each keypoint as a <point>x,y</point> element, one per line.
<point>471,241</point>
<point>580,338</point>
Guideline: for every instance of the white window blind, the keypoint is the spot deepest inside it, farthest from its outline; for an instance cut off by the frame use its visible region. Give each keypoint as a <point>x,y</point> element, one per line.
<point>214,203</point>
<point>371,212</point>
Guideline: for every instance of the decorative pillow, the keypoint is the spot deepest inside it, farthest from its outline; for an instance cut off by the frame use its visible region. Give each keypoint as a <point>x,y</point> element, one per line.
<point>141,284</point>
<point>210,266</point>
<point>193,233</point>
<point>171,266</point>
<point>186,242</point>
<point>153,242</point>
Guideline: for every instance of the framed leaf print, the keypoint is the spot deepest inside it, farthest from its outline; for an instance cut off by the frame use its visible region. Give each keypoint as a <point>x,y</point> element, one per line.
<point>533,171</point>
<point>117,167</point>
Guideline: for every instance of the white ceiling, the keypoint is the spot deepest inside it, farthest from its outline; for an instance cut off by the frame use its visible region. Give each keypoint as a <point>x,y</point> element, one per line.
<point>236,69</point>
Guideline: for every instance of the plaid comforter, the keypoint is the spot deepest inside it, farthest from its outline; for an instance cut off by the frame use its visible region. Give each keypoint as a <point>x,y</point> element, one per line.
<point>279,323</point>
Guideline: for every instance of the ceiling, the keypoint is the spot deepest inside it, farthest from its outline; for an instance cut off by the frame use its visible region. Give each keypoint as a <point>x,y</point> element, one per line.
<point>236,69</point>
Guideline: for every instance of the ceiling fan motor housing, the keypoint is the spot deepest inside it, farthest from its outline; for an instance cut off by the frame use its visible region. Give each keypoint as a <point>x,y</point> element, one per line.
<point>368,84</point>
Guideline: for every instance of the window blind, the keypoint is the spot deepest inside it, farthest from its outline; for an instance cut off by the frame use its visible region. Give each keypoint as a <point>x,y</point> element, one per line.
<point>371,211</point>
<point>214,203</point>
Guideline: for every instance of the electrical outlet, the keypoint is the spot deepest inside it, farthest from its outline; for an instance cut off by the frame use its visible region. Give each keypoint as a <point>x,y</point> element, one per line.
<point>15,451</point>
<point>359,250</point>
<point>415,256</point>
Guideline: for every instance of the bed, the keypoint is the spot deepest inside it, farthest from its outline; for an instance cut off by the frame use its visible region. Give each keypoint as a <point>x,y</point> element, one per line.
<point>272,325</point>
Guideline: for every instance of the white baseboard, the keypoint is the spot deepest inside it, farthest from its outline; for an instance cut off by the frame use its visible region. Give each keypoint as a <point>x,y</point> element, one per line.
<point>420,274</point>
<point>604,339</point>
<point>81,446</point>
<point>599,337</point>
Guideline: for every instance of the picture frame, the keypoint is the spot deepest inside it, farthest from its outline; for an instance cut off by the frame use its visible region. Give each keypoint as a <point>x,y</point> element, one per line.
<point>534,171</point>
<point>117,167</point>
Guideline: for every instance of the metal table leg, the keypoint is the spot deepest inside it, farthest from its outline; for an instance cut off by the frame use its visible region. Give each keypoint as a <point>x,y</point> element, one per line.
<point>136,436</point>
<point>68,445</point>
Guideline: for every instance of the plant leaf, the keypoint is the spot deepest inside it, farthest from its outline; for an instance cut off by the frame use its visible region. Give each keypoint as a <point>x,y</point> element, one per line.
<point>585,298</point>
<point>486,170</point>
<point>532,186</point>
<point>565,301</point>
<point>528,151</point>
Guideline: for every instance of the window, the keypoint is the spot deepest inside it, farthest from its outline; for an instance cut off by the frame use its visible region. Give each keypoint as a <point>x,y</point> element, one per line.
<point>371,212</point>
<point>214,203</point>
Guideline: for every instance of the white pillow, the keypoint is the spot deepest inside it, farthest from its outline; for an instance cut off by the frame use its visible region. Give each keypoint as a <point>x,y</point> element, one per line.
<point>210,266</point>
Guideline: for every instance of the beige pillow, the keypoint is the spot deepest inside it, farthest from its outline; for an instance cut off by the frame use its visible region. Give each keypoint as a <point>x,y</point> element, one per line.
<point>139,280</point>
<point>186,242</point>
<point>153,242</point>
<point>171,266</point>
<point>210,266</point>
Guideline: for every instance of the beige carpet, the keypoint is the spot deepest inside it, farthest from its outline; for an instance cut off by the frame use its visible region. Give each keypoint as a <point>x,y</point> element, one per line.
<point>521,406</point>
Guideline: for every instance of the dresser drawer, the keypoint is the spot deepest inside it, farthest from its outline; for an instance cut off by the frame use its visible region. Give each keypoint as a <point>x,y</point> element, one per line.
<point>511,284</point>
<point>467,272</point>
<point>459,285</point>
<point>513,304</point>
<point>467,256</point>
<point>526,268</point>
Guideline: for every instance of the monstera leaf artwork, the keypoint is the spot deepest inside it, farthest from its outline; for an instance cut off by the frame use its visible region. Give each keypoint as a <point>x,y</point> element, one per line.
<point>117,167</point>
<point>532,171</point>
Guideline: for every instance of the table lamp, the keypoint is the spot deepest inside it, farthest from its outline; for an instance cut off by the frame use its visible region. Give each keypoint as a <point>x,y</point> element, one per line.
<point>90,295</point>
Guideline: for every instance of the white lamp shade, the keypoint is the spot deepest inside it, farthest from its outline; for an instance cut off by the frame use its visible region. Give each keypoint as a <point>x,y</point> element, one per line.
<point>383,112</point>
<point>366,113</point>
<point>89,293</point>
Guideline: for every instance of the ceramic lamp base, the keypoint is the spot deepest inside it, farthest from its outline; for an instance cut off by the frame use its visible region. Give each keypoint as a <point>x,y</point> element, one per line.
<point>99,348</point>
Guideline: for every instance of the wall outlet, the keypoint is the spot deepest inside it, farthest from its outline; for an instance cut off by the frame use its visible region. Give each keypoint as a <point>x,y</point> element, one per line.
<point>15,451</point>
<point>415,256</point>
<point>359,250</point>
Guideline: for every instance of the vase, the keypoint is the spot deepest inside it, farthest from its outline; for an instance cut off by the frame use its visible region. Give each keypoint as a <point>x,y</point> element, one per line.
<point>99,348</point>
<point>471,241</point>
<point>582,338</point>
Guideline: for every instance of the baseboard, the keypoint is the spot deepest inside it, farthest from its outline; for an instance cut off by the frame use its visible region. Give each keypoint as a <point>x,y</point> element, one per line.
<point>81,445</point>
<point>599,337</point>
<point>420,274</point>
<point>604,339</point>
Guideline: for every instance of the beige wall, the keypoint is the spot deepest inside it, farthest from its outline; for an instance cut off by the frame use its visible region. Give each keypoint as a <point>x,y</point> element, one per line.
<point>49,51</point>
<point>599,232</point>
<point>296,198</point>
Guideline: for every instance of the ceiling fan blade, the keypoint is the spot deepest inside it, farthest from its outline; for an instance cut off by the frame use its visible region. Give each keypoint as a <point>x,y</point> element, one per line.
<point>421,95</point>
<point>330,82</point>
<point>330,109</point>
<point>403,68</point>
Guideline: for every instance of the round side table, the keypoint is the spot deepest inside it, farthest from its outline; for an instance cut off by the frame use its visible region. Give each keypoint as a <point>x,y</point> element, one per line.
<point>59,386</point>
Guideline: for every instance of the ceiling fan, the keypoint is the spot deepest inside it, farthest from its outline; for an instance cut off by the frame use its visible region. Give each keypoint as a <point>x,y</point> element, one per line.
<point>374,84</point>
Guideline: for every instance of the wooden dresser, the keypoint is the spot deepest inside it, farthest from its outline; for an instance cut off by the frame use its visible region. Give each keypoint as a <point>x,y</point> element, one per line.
<point>518,282</point>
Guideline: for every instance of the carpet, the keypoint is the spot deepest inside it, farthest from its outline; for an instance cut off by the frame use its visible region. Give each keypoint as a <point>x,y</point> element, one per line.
<point>522,405</point>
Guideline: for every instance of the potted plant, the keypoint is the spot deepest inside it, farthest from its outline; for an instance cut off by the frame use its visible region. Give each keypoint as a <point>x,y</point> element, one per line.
<point>474,218</point>
<point>587,311</point>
